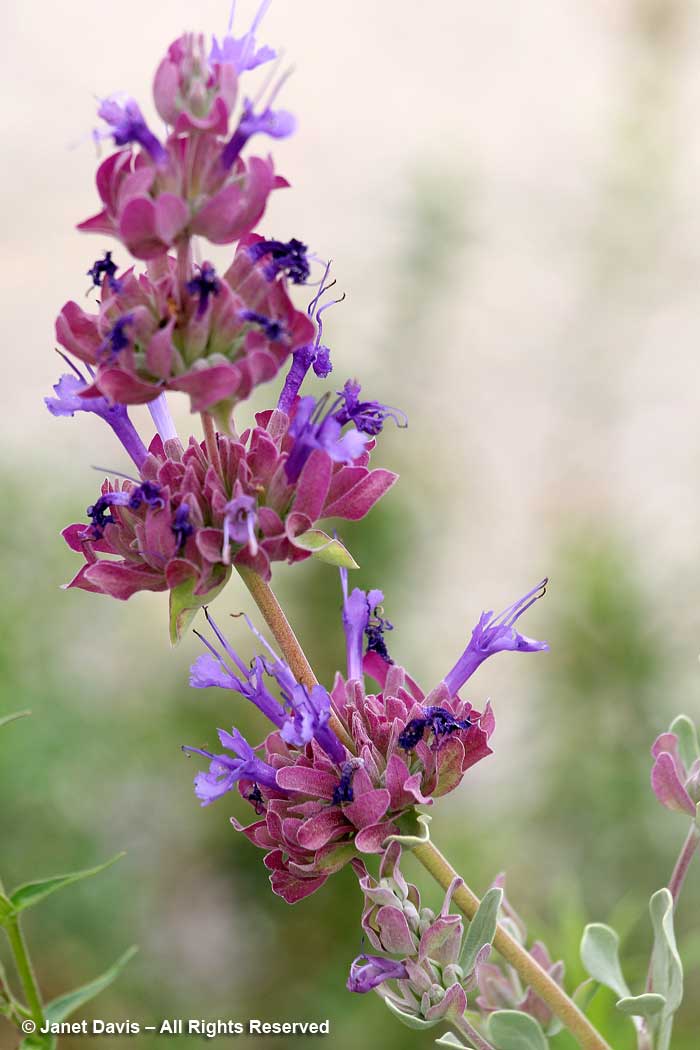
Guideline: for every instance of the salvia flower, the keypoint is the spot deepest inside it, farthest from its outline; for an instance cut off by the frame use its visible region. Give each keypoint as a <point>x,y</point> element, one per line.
<point>193,92</point>
<point>313,355</point>
<point>225,772</point>
<point>126,125</point>
<point>675,776</point>
<point>368,416</point>
<point>243,52</point>
<point>249,514</point>
<point>326,813</point>
<point>496,634</point>
<point>149,335</point>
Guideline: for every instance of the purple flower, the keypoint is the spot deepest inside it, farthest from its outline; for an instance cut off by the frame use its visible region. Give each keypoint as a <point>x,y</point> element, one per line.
<point>311,429</point>
<point>243,54</point>
<point>240,523</point>
<point>204,285</point>
<point>127,125</point>
<point>343,791</point>
<point>303,714</point>
<point>277,123</point>
<point>495,634</point>
<point>225,772</point>
<point>368,416</point>
<point>282,257</point>
<point>68,401</point>
<point>369,971</point>
<point>313,354</point>
<point>105,268</point>
<point>359,620</point>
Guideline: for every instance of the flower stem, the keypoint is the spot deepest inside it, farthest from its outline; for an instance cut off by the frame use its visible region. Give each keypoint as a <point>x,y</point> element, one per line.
<point>25,970</point>
<point>469,1032</point>
<point>529,970</point>
<point>210,440</point>
<point>683,863</point>
<point>677,879</point>
<point>285,637</point>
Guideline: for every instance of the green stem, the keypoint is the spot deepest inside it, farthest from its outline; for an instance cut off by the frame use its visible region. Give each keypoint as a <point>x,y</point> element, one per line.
<point>432,860</point>
<point>25,970</point>
<point>274,617</point>
<point>519,958</point>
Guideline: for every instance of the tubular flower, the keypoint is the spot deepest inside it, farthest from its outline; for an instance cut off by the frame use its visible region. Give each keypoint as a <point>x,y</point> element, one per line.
<point>249,515</point>
<point>206,340</point>
<point>496,634</point>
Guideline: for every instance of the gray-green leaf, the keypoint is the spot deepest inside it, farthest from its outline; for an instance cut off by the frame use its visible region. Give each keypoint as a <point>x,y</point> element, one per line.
<point>31,893</point>
<point>325,548</point>
<point>450,1039</point>
<point>65,1005</point>
<point>646,1005</point>
<point>408,1019</point>
<point>512,1030</point>
<point>599,954</point>
<point>482,928</point>
<point>667,969</point>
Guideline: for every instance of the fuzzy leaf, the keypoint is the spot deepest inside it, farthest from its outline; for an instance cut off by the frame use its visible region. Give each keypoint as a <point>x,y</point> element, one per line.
<point>408,1019</point>
<point>667,966</point>
<point>450,1039</point>
<point>512,1030</point>
<point>65,1005</point>
<point>31,893</point>
<point>599,954</point>
<point>6,719</point>
<point>185,604</point>
<point>325,548</point>
<point>688,747</point>
<point>415,830</point>
<point>646,1005</point>
<point>585,993</point>
<point>482,928</point>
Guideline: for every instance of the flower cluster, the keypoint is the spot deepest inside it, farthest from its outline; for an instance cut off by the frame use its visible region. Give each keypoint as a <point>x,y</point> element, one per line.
<point>188,514</point>
<point>343,767</point>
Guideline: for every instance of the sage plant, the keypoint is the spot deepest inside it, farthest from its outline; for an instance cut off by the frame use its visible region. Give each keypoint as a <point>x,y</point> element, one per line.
<point>346,771</point>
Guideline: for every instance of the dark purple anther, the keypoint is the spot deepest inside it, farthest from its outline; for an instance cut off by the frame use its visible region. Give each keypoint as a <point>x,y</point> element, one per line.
<point>343,792</point>
<point>149,493</point>
<point>254,796</point>
<point>284,257</point>
<point>101,516</point>
<point>437,720</point>
<point>274,330</point>
<point>182,526</point>
<point>204,285</point>
<point>117,339</point>
<point>105,268</point>
<point>374,633</point>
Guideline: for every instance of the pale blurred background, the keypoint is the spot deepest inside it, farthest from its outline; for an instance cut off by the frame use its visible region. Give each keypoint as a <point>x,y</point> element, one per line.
<point>509,194</point>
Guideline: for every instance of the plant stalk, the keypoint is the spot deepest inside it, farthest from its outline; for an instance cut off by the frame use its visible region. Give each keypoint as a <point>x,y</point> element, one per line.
<point>469,1032</point>
<point>428,855</point>
<point>25,970</point>
<point>211,442</point>
<point>519,958</point>
<point>683,863</point>
<point>274,617</point>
